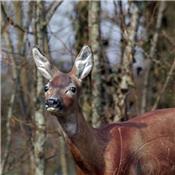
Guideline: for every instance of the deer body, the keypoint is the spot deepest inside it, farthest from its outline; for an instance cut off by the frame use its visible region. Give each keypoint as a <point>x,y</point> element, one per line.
<point>144,145</point>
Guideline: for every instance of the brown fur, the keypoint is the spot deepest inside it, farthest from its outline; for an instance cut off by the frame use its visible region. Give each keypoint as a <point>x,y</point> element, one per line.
<point>144,145</point>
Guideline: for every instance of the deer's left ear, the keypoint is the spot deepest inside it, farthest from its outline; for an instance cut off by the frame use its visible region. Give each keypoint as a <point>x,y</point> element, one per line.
<point>83,63</point>
<point>42,63</point>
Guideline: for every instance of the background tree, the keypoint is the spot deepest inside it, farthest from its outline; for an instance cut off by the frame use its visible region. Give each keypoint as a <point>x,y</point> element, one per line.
<point>82,38</point>
<point>94,40</point>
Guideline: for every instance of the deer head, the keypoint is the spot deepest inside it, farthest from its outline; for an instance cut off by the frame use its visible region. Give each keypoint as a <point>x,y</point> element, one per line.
<point>63,89</point>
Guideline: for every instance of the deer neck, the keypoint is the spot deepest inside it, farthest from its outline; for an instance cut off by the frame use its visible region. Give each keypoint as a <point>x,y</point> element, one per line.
<point>82,140</point>
<point>73,123</point>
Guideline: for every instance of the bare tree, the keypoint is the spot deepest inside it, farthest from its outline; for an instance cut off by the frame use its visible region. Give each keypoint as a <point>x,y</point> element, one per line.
<point>124,77</point>
<point>40,134</point>
<point>94,40</point>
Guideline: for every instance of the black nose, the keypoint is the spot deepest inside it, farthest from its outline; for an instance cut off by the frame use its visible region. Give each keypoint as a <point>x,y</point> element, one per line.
<point>53,102</point>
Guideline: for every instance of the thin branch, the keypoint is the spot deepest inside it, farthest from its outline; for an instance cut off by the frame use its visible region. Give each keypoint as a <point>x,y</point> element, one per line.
<point>51,10</point>
<point>169,39</point>
<point>10,21</point>
<point>170,73</point>
<point>151,55</point>
<point>121,16</point>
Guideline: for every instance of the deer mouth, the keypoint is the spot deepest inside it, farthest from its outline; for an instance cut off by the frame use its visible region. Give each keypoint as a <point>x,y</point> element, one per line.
<point>53,105</point>
<point>52,109</point>
<point>57,109</point>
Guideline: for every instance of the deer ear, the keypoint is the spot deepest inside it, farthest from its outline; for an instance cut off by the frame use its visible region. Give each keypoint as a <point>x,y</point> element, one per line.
<point>83,63</point>
<point>42,63</point>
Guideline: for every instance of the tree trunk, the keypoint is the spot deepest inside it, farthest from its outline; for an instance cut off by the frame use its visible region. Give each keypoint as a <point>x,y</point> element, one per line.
<point>125,75</point>
<point>94,40</point>
<point>82,37</point>
<point>40,134</point>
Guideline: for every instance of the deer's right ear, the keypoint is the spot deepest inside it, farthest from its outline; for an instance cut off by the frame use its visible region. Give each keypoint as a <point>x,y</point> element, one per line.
<point>42,63</point>
<point>83,63</point>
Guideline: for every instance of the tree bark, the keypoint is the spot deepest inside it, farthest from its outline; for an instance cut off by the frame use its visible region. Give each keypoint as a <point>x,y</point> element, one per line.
<point>94,40</point>
<point>40,134</point>
<point>63,159</point>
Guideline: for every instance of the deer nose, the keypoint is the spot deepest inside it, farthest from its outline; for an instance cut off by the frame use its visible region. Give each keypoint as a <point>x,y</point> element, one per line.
<point>53,102</point>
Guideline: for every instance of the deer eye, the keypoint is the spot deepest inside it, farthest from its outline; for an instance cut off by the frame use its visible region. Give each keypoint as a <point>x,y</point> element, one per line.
<point>46,87</point>
<point>73,89</point>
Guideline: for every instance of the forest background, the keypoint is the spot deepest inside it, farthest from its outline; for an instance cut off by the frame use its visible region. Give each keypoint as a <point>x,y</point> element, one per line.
<point>133,46</point>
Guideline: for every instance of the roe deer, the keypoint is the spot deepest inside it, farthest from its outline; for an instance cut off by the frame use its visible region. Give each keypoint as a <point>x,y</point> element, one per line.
<point>144,145</point>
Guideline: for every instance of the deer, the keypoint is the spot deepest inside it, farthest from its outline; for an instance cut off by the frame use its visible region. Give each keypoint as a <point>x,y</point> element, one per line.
<point>144,145</point>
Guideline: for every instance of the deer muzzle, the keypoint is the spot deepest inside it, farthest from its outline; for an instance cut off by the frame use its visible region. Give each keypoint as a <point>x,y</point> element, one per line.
<point>53,104</point>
